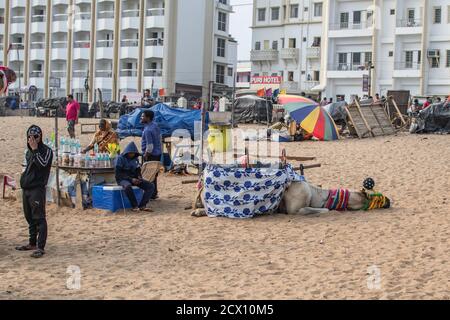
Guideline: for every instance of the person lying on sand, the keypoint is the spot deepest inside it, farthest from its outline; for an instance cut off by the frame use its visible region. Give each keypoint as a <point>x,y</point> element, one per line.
<point>128,174</point>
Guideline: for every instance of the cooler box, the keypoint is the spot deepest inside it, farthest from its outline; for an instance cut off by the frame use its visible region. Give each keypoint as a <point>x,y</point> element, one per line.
<point>113,198</point>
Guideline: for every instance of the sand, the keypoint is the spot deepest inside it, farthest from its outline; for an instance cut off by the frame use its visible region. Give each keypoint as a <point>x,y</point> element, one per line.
<point>170,255</point>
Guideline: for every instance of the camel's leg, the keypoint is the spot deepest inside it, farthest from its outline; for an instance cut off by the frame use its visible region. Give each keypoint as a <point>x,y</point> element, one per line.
<point>309,211</point>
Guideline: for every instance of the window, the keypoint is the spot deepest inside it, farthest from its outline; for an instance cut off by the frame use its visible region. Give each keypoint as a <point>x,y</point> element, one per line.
<point>419,57</point>
<point>448,59</point>
<point>342,59</point>
<point>266,44</point>
<point>391,53</point>
<point>356,17</point>
<point>262,14</point>
<point>221,47</point>
<point>220,74</point>
<point>230,72</point>
<point>294,11</point>
<point>356,59</point>
<point>291,76</point>
<point>437,16</point>
<point>275,45</point>
<point>411,15</point>
<point>276,13</point>
<point>274,74</point>
<point>344,20</point>
<point>392,12</point>
<point>367,57</point>
<point>316,76</point>
<point>435,62</point>
<point>292,43</point>
<point>317,41</point>
<point>223,1</point>
<point>409,59</point>
<point>284,12</point>
<point>318,9</point>
<point>305,9</point>
<point>257,46</point>
<point>222,21</point>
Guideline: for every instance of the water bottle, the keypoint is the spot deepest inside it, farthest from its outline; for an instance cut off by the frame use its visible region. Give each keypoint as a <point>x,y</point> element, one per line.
<point>96,148</point>
<point>107,161</point>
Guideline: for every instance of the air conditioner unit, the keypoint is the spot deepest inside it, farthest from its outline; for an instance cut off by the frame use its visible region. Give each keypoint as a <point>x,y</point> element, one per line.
<point>433,54</point>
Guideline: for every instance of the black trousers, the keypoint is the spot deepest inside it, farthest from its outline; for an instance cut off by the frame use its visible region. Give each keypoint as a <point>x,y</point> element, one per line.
<point>154,158</point>
<point>34,209</point>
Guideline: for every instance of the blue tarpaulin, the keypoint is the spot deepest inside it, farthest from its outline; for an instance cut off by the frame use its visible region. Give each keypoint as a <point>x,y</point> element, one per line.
<point>169,119</point>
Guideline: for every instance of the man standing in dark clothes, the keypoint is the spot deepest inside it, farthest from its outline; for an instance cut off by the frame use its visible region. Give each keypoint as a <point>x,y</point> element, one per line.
<point>151,142</point>
<point>33,182</point>
<point>128,174</point>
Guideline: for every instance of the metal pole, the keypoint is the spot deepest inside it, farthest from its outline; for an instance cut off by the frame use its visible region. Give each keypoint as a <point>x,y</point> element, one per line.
<point>234,98</point>
<point>18,59</point>
<point>57,159</point>
<point>211,83</point>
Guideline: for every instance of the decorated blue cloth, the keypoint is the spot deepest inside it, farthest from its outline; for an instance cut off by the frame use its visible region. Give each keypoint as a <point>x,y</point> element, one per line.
<point>245,193</point>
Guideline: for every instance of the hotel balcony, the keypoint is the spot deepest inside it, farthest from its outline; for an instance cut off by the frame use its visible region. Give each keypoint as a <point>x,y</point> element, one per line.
<point>60,22</point>
<point>17,25</point>
<point>105,20</point>
<point>409,27</point>
<point>290,54</point>
<point>155,18</point>
<point>153,73</point>
<point>128,78</point>
<point>130,19</point>
<point>37,23</point>
<point>37,51</point>
<point>154,48</point>
<point>82,21</point>
<point>290,86</point>
<point>59,50</point>
<point>346,70</point>
<point>225,7</point>
<point>58,74</point>
<point>407,70</point>
<point>264,55</point>
<point>81,49</point>
<point>313,53</point>
<point>129,48</point>
<point>310,84</point>
<point>351,30</point>
<point>105,49</point>
<point>17,52</point>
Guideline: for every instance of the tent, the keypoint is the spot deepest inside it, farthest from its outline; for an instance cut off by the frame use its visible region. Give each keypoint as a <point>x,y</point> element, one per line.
<point>435,118</point>
<point>250,109</point>
<point>169,119</point>
<point>337,110</point>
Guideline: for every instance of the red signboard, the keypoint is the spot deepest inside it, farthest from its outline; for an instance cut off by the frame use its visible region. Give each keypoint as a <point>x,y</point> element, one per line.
<point>269,80</point>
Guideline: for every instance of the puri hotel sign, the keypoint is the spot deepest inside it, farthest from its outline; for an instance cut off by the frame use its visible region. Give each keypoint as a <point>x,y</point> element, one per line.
<point>266,82</point>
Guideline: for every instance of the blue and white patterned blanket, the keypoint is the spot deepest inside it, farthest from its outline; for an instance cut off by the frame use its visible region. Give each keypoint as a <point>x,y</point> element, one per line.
<point>244,193</point>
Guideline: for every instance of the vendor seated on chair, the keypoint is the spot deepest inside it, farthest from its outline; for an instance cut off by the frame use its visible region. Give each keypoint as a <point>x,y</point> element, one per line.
<point>104,136</point>
<point>128,175</point>
<point>281,124</point>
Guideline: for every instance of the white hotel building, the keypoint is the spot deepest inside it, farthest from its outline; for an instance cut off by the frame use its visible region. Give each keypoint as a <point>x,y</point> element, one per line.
<point>407,42</point>
<point>117,46</point>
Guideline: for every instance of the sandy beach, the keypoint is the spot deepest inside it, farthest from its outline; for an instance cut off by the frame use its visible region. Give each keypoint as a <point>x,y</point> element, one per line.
<point>170,255</point>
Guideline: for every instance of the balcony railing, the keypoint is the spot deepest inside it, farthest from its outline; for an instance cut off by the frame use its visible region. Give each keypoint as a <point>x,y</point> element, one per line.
<point>153,73</point>
<point>289,86</point>
<point>154,42</point>
<point>60,17</point>
<point>58,73</point>
<point>84,44</point>
<point>105,15</point>
<point>406,65</point>
<point>103,74</point>
<point>17,46</point>
<point>310,84</point>
<point>351,26</point>
<point>313,53</point>
<point>133,13</point>
<point>154,12</point>
<point>105,43</point>
<point>129,43</point>
<point>409,23</point>
<point>264,55</point>
<point>38,18</point>
<point>36,74</point>
<point>82,16</point>
<point>289,53</point>
<point>37,45</point>
<point>348,67</point>
<point>18,19</point>
<point>59,44</point>
<point>128,73</point>
<point>80,73</point>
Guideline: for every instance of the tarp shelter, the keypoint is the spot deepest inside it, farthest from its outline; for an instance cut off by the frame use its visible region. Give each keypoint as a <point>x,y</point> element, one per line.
<point>434,119</point>
<point>11,102</point>
<point>250,109</point>
<point>169,119</point>
<point>337,111</point>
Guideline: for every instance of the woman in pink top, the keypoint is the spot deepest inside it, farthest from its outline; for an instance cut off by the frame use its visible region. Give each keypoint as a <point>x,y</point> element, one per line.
<point>72,112</point>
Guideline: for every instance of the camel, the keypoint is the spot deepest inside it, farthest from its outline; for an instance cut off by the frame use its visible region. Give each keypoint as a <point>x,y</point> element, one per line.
<point>305,199</point>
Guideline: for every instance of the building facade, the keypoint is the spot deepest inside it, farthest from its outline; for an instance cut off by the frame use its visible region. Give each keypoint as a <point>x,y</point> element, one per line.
<point>287,39</point>
<point>398,45</point>
<point>118,46</point>
<point>244,73</point>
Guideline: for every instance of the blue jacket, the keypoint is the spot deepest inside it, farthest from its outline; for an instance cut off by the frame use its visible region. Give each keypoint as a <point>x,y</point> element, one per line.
<point>128,168</point>
<point>152,135</point>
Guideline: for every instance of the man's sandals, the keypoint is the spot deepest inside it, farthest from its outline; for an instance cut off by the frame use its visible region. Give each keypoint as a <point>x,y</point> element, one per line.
<point>38,253</point>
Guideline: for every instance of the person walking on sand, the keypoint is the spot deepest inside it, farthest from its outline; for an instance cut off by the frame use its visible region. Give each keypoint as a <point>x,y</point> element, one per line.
<point>72,113</point>
<point>151,142</point>
<point>33,182</point>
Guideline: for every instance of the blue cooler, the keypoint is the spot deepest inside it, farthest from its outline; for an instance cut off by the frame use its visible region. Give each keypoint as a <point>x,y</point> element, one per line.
<point>113,198</point>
